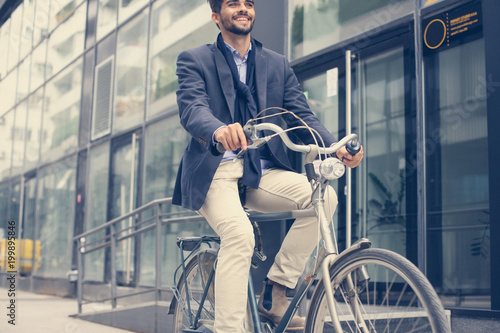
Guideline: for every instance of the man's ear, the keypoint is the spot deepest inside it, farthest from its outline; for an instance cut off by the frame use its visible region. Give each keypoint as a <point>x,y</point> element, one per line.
<point>216,18</point>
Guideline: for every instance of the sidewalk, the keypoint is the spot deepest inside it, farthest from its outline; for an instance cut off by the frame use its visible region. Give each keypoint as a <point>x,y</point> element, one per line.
<point>35,313</point>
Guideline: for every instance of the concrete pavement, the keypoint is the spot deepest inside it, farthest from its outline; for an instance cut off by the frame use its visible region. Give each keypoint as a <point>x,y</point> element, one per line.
<point>35,313</point>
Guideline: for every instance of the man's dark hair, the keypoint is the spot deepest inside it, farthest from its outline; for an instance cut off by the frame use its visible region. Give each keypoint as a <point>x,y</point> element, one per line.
<point>215,5</point>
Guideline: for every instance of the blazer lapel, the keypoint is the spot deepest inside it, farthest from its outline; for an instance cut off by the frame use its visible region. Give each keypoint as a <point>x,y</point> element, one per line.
<point>261,76</point>
<point>225,79</point>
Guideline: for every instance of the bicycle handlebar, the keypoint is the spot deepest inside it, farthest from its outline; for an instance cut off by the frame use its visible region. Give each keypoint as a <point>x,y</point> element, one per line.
<point>251,130</point>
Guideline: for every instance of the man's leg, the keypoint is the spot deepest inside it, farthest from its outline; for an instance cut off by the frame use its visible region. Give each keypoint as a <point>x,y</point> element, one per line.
<point>223,211</point>
<point>281,190</point>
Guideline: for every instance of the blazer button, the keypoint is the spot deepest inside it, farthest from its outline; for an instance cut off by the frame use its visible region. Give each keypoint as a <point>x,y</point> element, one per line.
<point>203,142</point>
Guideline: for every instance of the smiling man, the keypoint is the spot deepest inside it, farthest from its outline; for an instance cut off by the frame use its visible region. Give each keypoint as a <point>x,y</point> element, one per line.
<point>221,87</point>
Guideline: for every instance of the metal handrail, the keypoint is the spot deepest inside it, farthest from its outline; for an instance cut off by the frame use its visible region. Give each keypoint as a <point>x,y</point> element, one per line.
<point>114,236</point>
<point>158,219</point>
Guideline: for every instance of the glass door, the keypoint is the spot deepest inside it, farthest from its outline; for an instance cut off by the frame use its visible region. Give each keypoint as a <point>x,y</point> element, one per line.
<point>122,199</point>
<point>384,187</point>
<point>382,190</point>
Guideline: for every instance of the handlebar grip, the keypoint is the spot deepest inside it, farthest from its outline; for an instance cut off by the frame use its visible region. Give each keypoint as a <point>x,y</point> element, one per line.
<point>353,147</point>
<point>247,129</point>
<point>220,148</point>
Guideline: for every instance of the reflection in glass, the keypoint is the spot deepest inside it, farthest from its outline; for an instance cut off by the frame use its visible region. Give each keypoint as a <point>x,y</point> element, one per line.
<point>7,126</point>
<point>129,7</point>
<point>380,98</point>
<point>61,10</point>
<point>96,207</point>
<point>41,26</point>
<point>8,91</point>
<point>131,58</point>
<point>4,46</point>
<point>28,230</point>
<point>56,204</point>
<point>34,126</point>
<point>458,223</point>
<point>38,66</point>
<point>27,28</point>
<point>326,107</point>
<point>24,79</point>
<point>67,41</point>
<point>124,180</point>
<point>15,200</point>
<point>106,17</point>
<point>62,113</point>
<point>20,134</point>
<point>15,37</point>
<point>165,144</point>
<point>317,24</point>
<point>176,26</point>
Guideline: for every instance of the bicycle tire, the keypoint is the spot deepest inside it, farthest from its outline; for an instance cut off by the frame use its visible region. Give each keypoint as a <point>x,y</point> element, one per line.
<point>197,272</point>
<point>408,304</point>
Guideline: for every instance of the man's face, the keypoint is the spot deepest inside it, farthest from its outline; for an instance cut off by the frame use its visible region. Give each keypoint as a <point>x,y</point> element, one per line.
<point>236,16</point>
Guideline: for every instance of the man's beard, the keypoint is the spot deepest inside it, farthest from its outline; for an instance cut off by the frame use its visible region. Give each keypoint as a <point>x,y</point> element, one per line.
<point>229,26</point>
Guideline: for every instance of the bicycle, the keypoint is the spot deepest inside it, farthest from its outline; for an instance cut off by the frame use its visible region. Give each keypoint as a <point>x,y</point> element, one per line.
<point>360,289</point>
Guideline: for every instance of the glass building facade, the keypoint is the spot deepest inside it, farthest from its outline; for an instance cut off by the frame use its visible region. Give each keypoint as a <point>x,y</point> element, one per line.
<point>90,128</point>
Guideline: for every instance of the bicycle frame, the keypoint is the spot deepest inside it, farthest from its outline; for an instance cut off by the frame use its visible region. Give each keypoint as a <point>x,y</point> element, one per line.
<point>327,253</point>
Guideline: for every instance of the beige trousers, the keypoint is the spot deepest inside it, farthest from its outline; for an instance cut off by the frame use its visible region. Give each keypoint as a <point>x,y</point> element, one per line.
<point>279,190</point>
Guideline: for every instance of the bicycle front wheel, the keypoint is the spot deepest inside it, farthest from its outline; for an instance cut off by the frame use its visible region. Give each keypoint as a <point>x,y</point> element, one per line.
<point>376,290</point>
<point>193,310</point>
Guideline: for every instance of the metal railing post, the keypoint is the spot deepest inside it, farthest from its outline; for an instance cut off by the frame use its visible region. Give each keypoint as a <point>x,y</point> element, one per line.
<point>113,265</point>
<point>79,281</point>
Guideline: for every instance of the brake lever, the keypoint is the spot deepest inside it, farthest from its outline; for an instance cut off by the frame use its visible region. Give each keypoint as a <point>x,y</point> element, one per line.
<point>256,144</point>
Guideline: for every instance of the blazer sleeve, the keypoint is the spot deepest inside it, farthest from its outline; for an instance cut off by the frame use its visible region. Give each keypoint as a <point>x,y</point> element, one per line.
<point>193,100</point>
<point>295,101</point>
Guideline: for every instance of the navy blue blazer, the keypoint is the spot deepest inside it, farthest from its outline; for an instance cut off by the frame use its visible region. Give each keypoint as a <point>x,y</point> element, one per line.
<point>206,102</point>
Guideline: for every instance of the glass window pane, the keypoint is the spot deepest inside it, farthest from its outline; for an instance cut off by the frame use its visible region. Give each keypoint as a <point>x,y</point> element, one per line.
<point>34,126</point>
<point>96,207</point>
<point>317,24</point>
<point>165,144</point>
<point>7,128</point>
<point>60,10</point>
<point>130,75</point>
<point>27,28</point>
<point>38,66</point>
<point>129,7</point>
<point>176,26</point>
<point>67,41</point>
<point>28,232</point>
<point>62,113</point>
<point>381,98</point>
<point>4,46</point>
<point>20,135</point>
<point>56,202</point>
<point>24,79</point>
<point>457,187</point>
<point>15,37</point>
<point>8,91</point>
<point>107,16</point>
<point>326,108</point>
<point>123,196</point>
<point>41,27</point>
<point>4,206</point>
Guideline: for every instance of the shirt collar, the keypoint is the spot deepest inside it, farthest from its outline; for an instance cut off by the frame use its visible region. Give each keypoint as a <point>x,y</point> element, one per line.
<point>236,54</point>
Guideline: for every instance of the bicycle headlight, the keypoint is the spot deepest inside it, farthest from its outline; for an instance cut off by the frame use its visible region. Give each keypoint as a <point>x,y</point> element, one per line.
<point>332,168</point>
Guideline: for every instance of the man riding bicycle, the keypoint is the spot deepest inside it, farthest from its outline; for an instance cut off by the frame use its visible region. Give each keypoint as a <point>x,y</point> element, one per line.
<point>221,87</point>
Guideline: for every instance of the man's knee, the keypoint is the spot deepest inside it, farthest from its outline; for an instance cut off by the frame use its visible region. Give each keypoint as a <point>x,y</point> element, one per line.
<point>331,200</point>
<point>239,236</point>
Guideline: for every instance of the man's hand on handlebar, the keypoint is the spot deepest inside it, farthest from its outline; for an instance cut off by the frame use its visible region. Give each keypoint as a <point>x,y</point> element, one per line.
<point>348,159</point>
<point>232,137</point>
